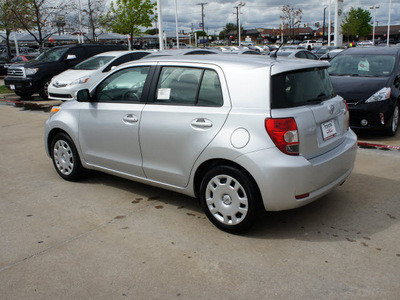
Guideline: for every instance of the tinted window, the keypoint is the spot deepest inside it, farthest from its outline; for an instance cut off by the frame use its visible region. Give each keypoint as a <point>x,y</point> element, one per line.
<point>78,52</point>
<point>301,54</point>
<point>362,65</point>
<point>93,63</point>
<point>93,50</point>
<point>51,55</point>
<point>301,88</point>
<point>188,86</point>
<point>123,86</point>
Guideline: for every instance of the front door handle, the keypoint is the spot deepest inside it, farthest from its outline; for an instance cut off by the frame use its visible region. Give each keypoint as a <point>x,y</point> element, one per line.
<point>202,123</point>
<point>130,119</point>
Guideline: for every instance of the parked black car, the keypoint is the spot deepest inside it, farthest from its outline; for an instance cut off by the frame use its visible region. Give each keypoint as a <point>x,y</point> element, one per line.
<point>369,80</point>
<point>30,77</point>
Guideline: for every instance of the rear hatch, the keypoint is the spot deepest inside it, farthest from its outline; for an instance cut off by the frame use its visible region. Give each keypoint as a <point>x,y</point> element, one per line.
<point>307,96</point>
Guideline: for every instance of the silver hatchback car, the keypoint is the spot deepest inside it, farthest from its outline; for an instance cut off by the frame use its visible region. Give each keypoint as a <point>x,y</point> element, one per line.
<point>243,134</point>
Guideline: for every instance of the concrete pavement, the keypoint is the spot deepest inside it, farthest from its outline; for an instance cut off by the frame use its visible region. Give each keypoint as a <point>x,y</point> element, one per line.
<point>109,238</point>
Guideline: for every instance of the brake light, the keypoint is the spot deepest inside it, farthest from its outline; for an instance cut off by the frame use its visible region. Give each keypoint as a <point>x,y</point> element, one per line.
<point>284,134</point>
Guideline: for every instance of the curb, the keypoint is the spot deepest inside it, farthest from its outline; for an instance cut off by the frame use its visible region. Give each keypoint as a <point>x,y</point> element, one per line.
<point>364,145</point>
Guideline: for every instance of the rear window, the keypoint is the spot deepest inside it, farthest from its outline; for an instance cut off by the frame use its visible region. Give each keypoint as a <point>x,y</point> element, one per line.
<point>300,88</point>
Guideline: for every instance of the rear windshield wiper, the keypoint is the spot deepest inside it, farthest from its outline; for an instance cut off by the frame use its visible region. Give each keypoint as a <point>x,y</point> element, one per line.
<point>319,98</point>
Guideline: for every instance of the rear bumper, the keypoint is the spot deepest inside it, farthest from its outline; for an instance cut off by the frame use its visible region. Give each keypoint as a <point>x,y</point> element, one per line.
<point>281,178</point>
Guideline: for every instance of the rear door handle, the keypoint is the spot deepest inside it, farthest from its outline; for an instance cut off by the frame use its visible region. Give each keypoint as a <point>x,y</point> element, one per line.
<point>202,123</point>
<point>130,119</point>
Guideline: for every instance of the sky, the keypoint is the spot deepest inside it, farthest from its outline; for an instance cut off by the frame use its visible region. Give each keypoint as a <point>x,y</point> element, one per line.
<point>262,13</point>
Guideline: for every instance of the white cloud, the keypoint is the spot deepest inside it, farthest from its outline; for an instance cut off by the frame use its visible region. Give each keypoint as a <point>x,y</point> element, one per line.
<point>261,13</point>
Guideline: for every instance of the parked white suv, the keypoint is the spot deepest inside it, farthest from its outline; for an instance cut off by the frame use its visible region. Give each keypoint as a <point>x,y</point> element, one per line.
<point>89,72</point>
<point>309,44</point>
<point>241,133</point>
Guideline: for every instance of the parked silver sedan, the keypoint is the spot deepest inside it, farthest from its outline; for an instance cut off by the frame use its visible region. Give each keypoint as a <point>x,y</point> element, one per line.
<point>243,134</point>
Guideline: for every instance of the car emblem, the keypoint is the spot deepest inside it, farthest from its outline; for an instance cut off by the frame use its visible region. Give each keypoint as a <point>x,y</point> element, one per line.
<point>331,109</point>
<point>56,84</point>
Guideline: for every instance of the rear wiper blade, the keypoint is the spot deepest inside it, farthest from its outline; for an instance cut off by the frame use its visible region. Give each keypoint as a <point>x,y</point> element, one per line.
<point>319,98</point>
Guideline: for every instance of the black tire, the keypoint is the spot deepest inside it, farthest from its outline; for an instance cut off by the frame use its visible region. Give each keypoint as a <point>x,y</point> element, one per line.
<point>24,95</point>
<point>44,89</point>
<point>230,199</point>
<point>394,122</point>
<point>65,158</point>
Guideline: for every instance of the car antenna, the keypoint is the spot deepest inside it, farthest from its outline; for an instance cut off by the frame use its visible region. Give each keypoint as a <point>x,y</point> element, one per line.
<point>275,53</point>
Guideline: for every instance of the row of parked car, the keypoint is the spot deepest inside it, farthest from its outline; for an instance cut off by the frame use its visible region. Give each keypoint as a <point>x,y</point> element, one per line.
<point>242,133</point>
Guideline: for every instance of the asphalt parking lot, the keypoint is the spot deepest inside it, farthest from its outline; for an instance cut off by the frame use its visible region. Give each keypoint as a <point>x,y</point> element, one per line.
<point>109,238</point>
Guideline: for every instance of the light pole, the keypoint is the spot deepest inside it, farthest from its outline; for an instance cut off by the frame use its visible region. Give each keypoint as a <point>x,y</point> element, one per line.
<point>373,25</point>
<point>176,24</point>
<point>388,32</point>
<point>160,28</point>
<point>241,4</point>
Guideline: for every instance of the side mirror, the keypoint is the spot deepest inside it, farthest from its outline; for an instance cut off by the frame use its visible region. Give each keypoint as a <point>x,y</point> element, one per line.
<point>71,57</point>
<point>82,95</point>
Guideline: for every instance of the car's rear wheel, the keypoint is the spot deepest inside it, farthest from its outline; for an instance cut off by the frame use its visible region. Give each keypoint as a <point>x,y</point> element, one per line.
<point>229,198</point>
<point>44,88</point>
<point>394,124</point>
<point>65,158</point>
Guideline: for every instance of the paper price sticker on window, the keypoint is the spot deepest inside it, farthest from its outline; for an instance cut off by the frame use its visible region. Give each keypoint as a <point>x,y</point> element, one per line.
<point>363,66</point>
<point>163,94</point>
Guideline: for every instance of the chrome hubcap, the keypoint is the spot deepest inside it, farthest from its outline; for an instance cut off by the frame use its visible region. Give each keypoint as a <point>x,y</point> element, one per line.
<point>227,200</point>
<point>63,157</point>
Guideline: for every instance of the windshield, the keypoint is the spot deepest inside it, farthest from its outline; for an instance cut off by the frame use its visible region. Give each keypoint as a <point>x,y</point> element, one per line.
<point>298,88</point>
<point>51,55</point>
<point>362,65</point>
<point>93,63</point>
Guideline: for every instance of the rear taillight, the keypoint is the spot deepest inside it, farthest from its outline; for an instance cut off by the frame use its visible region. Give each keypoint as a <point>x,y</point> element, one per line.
<point>284,134</point>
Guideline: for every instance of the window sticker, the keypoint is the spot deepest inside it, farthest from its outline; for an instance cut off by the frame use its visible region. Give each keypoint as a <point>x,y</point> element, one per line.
<point>363,66</point>
<point>163,94</point>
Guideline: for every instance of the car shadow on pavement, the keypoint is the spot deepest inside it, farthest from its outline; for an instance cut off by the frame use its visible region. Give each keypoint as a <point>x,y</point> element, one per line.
<point>353,212</point>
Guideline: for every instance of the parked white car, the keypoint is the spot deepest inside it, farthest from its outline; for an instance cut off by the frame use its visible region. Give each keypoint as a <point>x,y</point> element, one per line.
<point>84,75</point>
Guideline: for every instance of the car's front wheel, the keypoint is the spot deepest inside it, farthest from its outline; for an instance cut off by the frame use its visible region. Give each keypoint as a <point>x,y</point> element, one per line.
<point>394,124</point>
<point>229,198</point>
<point>65,158</point>
<point>44,88</point>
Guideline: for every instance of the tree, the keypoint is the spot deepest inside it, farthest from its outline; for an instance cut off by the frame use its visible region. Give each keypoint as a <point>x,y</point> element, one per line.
<point>357,23</point>
<point>37,15</point>
<point>126,16</point>
<point>8,22</point>
<point>92,11</point>
<point>229,27</point>
<point>290,18</point>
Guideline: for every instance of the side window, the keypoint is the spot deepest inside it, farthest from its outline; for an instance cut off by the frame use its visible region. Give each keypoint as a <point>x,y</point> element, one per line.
<point>188,86</point>
<point>210,90</point>
<point>123,86</point>
<point>78,52</point>
<point>117,62</point>
<point>178,85</point>
<point>93,50</point>
<point>301,54</point>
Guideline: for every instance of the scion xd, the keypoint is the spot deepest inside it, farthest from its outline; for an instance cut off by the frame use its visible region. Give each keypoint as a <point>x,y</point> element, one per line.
<point>241,134</point>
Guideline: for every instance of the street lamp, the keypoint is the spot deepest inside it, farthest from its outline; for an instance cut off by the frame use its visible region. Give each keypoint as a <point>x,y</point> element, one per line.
<point>373,25</point>
<point>241,4</point>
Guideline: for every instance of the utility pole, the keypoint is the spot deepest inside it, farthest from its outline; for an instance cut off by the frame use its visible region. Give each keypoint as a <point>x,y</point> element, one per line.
<point>202,19</point>
<point>237,23</point>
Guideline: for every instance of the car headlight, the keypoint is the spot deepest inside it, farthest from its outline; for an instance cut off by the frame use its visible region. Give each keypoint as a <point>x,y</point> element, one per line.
<point>31,71</point>
<point>381,95</point>
<point>80,80</point>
